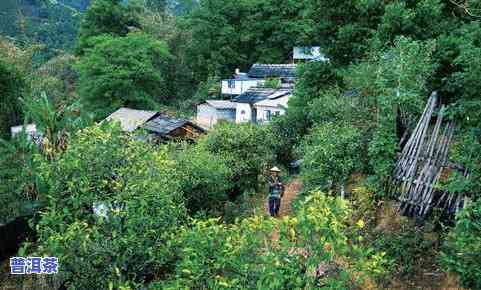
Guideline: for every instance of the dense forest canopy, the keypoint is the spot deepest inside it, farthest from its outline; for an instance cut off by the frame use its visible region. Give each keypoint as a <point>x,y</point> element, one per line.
<point>176,211</point>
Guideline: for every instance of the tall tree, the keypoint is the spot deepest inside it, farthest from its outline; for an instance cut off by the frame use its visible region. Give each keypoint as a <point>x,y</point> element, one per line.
<point>234,34</point>
<point>107,17</point>
<point>12,87</point>
<point>123,71</point>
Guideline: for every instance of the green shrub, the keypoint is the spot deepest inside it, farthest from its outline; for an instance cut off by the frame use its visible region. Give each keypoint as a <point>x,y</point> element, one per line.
<point>246,256</point>
<point>462,250</point>
<point>403,248</point>
<point>246,149</point>
<point>13,85</point>
<point>19,177</point>
<point>131,241</point>
<point>466,150</point>
<point>331,154</point>
<point>273,83</point>
<point>205,179</point>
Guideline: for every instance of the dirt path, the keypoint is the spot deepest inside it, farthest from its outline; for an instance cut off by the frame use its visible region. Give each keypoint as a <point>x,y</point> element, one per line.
<point>290,194</point>
<point>292,190</point>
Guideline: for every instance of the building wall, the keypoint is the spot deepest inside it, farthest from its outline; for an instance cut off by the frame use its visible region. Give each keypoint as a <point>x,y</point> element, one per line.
<point>240,86</point>
<point>226,114</point>
<point>208,116</point>
<point>261,116</point>
<point>243,113</point>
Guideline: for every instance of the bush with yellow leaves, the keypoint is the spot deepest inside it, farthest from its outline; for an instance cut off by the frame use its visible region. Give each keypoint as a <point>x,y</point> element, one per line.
<point>314,250</point>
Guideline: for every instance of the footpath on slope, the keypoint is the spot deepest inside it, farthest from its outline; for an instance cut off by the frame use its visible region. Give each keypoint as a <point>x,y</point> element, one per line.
<point>428,279</point>
<point>292,190</point>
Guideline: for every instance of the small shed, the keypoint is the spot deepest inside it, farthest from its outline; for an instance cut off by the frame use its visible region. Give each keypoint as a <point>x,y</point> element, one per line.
<point>211,112</point>
<point>167,128</point>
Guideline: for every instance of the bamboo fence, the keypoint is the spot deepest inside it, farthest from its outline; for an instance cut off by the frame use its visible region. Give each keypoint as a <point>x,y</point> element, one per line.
<point>420,164</point>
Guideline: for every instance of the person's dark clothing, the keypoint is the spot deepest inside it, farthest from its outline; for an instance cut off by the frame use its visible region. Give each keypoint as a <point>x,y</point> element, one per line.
<point>276,191</point>
<point>274,205</point>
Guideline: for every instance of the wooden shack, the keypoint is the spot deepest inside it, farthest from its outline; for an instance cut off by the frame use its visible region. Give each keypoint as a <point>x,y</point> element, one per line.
<point>167,128</point>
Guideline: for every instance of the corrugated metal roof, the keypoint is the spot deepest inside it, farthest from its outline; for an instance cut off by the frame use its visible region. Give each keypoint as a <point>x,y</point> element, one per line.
<point>276,102</point>
<point>222,104</point>
<point>279,93</point>
<point>254,95</point>
<point>163,125</point>
<point>131,119</point>
<point>273,70</point>
<point>257,94</point>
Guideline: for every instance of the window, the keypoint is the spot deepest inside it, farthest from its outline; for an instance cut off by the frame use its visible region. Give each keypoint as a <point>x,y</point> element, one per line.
<point>277,113</point>
<point>231,84</point>
<point>243,112</point>
<point>267,115</point>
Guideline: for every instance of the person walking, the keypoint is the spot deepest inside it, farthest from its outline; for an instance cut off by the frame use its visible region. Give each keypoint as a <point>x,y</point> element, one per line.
<point>276,191</point>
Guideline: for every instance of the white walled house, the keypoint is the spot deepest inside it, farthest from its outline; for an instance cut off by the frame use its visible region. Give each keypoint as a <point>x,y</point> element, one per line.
<point>243,113</point>
<point>260,105</point>
<point>251,100</point>
<point>271,107</point>
<point>285,72</point>
<point>258,73</point>
<point>211,112</point>
<point>235,87</point>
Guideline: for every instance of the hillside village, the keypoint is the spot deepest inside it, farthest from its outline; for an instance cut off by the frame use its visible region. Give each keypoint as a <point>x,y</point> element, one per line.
<point>258,95</point>
<point>253,144</point>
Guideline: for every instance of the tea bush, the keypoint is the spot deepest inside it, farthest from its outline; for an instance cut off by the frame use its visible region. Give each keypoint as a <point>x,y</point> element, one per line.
<point>246,149</point>
<point>462,250</point>
<point>205,179</point>
<point>246,255</point>
<point>130,239</point>
<point>331,153</point>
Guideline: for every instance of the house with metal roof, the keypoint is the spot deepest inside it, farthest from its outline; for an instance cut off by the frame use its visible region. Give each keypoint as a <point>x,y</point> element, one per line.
<point>211,112</point>
<point>285,72</point>
<point>259,104</point>
<point>166,128</point>
<point>239,83</point>
<point>158,126</point>
<point>256,77</point>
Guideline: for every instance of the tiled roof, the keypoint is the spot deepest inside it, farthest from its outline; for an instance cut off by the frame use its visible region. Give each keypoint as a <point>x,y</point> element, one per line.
<point>221,104</point>
<point>131,119</point>
<point>272,70</point>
